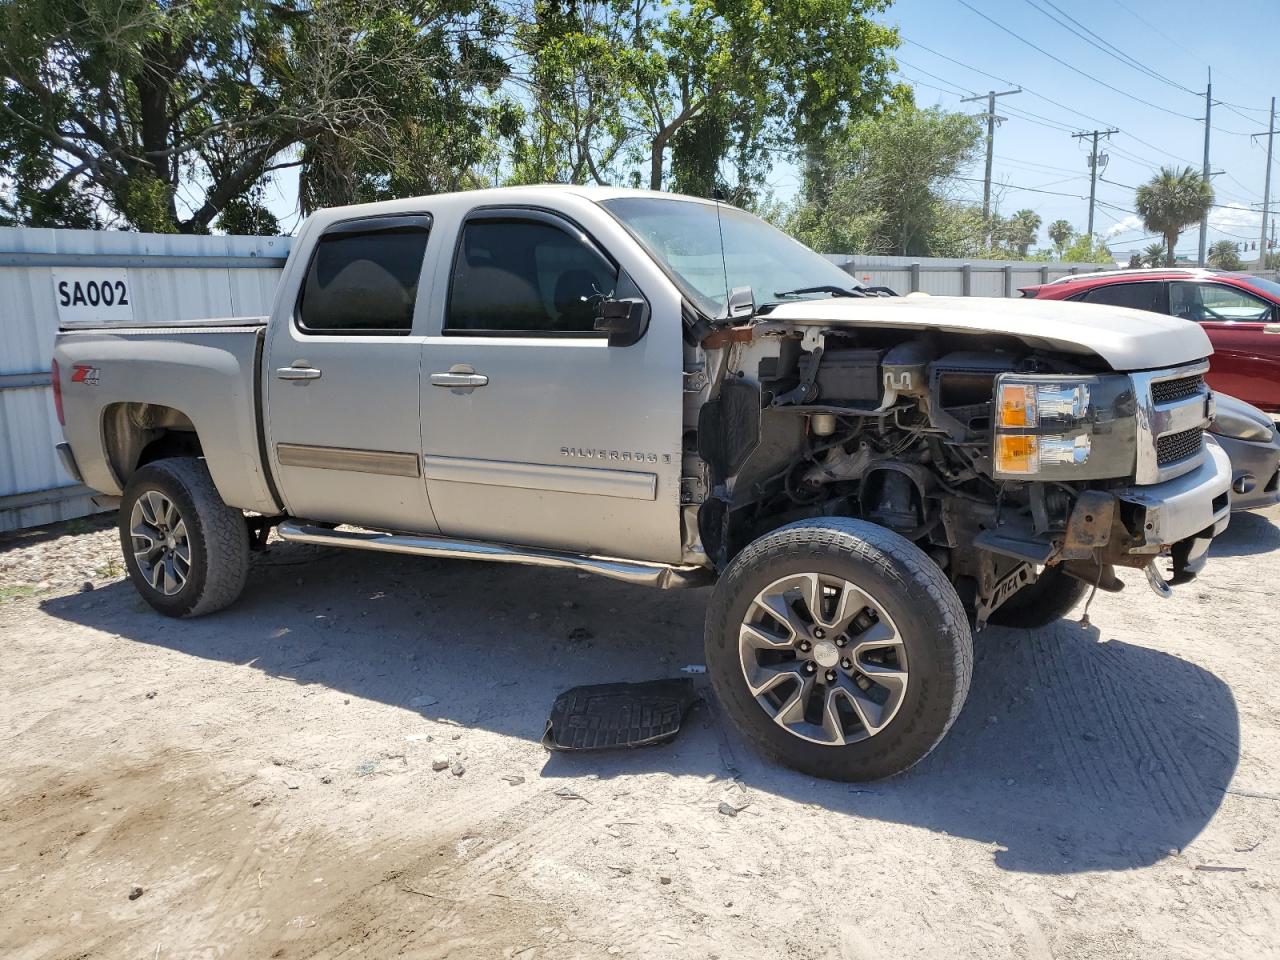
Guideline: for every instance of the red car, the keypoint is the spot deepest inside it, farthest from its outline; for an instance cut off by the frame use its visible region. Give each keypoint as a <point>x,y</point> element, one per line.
<point>1240,313</point>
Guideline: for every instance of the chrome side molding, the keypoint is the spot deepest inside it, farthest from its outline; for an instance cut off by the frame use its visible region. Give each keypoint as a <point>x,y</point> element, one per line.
<point>629,571</point>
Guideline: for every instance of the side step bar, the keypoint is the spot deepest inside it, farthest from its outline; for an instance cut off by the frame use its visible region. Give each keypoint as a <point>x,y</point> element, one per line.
<point>629,571</point>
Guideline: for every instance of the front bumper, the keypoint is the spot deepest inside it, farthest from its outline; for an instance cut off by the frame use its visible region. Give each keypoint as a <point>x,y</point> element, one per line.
<point>1255,471</point>
<point>1181,515</point>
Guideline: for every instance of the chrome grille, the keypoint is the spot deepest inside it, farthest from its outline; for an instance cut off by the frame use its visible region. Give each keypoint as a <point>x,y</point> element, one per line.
<point>1178,446</point>
<point>1167,391</point>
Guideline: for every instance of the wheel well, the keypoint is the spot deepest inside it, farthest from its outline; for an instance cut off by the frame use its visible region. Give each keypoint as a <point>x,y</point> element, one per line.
<point>135,434</point>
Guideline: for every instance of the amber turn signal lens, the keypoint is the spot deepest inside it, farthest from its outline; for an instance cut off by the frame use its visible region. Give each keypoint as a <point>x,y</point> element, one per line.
<point>1017,454</point>
<point>1017,405</point>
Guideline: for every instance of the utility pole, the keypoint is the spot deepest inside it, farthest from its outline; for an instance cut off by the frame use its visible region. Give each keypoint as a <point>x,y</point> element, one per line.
<point>1266,187</point>
<point>1093,168</point>
<point>1208,112</point>
<point>992,120</point>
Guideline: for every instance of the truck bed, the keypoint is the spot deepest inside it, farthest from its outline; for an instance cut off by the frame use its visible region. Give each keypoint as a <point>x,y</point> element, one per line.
<point>124,381</point>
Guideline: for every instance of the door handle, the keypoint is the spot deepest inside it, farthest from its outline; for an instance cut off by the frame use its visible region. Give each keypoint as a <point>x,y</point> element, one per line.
<point>1271,328</point>
<point>458,379</point>
<point>301,370</point>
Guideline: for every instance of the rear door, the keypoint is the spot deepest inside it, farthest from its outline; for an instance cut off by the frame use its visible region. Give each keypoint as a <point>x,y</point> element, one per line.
<point>1245,335</point>
<point>534,429</point>
<point>341,374</point>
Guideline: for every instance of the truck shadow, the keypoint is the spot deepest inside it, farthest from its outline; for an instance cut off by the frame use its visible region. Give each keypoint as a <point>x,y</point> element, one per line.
<point>1074,752</point>
<point>1247,534</point>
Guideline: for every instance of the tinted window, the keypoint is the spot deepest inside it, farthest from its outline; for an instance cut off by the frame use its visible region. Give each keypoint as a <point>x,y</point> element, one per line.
<point>1215,301</point>
<point>363,282</point>
<point>1139,296</point>
<point>524,275</point>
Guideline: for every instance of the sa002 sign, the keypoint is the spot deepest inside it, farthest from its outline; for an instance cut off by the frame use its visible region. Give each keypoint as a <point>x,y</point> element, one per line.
<point>93,295</point>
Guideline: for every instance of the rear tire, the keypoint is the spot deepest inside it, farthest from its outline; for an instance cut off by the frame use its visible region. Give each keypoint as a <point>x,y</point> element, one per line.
<point>889,644</point>
<point>1050,598</point>
<point>186,551</point>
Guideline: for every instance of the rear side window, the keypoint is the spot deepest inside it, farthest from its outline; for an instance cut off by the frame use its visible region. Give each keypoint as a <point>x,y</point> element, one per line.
<point>363,277</point>
<point>1139,296</point>
<point>526,277</point>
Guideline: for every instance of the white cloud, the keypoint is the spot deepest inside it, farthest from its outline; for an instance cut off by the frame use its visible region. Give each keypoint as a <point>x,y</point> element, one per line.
<point>1124,225</point>
<point>1234,218</point>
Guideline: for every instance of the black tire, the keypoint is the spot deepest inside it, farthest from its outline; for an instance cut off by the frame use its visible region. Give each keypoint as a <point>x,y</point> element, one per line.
<point>1039,604</point>
<point>217,534</point>
<point>914,593</point>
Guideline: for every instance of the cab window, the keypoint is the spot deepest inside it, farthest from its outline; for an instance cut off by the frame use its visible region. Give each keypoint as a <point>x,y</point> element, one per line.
<point>363,277</point>
<point>1216,301</point>
<point>526,277</point>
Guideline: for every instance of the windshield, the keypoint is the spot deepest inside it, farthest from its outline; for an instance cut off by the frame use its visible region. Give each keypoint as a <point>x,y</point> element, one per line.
<point>708,249</point>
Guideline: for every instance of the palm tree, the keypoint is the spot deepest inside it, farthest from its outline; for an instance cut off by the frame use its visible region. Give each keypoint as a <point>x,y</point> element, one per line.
<point>1023,227</point>
<point>1061,232</point>
<point>1171,202</point>
<point>1224,256</point>
<point>1153,255</point>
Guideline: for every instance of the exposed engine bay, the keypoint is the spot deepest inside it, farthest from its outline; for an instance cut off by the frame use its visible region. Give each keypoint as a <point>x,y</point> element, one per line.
<point>996,457</point>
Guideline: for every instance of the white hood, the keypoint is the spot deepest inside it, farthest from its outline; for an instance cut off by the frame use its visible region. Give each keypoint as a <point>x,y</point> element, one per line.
<point>1126,339</point>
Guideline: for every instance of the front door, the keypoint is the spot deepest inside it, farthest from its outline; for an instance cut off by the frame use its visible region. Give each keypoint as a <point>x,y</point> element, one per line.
<point>341,374</point>
<point>1246,340</point>
<point>534,429</point>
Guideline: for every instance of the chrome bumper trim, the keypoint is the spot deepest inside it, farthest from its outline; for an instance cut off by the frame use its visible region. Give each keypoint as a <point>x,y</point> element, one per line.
<point>1186,505</point>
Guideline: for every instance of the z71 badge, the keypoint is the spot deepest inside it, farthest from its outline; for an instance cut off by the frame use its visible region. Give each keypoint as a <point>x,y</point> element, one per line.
<point>622,456</point>
<point>83,373</point>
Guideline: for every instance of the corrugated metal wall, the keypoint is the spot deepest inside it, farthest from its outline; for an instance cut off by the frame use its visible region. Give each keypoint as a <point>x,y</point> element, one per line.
<point>169,277</point>
<point>957,278</point>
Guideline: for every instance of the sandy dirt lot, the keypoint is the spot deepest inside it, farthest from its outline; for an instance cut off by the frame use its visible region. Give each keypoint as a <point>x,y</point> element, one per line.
<point>259,783</point>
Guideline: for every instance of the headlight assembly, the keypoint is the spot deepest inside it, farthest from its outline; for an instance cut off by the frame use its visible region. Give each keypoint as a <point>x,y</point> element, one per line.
<point>1062,427</point>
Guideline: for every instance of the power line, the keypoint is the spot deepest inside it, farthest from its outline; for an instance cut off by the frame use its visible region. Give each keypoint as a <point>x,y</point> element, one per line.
<point>1124,93</point>
<point>1057,103</point>
<point>1110,49</point>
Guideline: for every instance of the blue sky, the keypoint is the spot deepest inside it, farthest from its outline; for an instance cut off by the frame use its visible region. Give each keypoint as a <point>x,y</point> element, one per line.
<point>1178,39</point>
<point>949,51</point>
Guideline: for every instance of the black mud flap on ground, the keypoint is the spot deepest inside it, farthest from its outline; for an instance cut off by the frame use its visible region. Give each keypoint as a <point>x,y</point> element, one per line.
<point>610,715</point>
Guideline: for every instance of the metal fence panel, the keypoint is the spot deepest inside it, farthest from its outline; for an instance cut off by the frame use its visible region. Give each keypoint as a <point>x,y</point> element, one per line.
<point>169,278</point>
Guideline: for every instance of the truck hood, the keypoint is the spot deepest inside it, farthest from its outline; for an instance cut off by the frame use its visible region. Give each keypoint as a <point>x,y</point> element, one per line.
<point>1126,339</point>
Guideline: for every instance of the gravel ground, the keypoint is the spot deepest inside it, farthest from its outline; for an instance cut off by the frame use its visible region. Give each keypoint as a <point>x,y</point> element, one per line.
<point>260,783</point>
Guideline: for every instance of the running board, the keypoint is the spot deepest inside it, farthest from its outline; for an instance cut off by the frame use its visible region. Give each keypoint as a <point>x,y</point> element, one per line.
<point>629,571</point>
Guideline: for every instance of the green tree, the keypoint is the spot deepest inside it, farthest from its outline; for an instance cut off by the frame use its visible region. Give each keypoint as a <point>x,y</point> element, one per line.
<point>1224,255</point>
<point>1061,233</point>
<point>1024,226</point>
<point>737,78</point>
<point>1171,201</point>
<point>160,113</point>
<point>1153,255</point>
<point>1086,249</point>
<point>881,185</point>
<point>1135,261</point>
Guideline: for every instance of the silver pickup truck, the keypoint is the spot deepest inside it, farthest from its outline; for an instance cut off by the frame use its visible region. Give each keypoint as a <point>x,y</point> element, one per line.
<point>667,391</point>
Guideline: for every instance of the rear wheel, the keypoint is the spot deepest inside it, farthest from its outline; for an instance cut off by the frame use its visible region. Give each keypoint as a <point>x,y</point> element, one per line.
<point>840,648</point>
<point>1050,598</point>
<point>187,552</point>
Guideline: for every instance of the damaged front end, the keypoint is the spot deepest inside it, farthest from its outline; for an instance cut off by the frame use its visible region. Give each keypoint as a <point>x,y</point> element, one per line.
<point>998,462</point>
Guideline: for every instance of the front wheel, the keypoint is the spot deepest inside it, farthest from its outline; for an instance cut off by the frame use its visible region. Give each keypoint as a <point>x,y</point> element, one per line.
<point>840,648</point>
<point>187,552</point>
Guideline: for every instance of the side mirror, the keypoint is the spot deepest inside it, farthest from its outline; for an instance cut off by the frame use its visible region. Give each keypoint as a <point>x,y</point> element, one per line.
<point>742,302</point>
<point>624,320</point>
